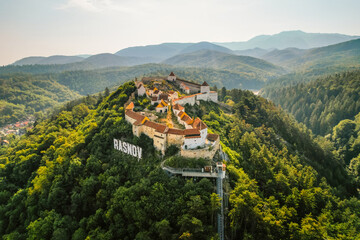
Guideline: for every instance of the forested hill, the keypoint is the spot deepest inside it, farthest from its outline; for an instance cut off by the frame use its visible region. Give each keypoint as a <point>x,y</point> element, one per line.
<point>345,54</point>
<point>64,180</point>
<point>22,95</point>
<point>221,60</point>
<point>323,103</point>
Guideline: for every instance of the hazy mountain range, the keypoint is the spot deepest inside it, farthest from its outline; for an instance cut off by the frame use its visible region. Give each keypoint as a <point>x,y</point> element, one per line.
<point>258,47</point>
<point>221,60</point>
<point>287,39</point>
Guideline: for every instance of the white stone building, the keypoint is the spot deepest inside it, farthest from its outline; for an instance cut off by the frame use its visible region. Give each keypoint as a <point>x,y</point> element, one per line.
<point>140,89</point>
<point>171,77</point>
<point>162,107</point>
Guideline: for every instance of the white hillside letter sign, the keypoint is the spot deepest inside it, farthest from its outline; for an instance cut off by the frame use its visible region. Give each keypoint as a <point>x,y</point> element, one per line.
<point>128,148</point>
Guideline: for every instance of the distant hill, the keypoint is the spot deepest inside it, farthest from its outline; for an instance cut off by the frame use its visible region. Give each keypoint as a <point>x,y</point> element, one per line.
<point>154,53</point>
<point>56,59</point>
<point>254,52</point>
<point>158,53</point>
<point>205,46</point>
<point>338,54</point>
<point>112,60</point>
<point>28,61</point>
<point>219,60</point>
<point>342,55</point>
<point>42,69</point>
<point>287,39</point>
<point>282,56</point>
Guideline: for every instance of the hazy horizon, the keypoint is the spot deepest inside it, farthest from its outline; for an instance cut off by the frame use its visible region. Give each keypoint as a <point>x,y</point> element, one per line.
<point>75,27</point>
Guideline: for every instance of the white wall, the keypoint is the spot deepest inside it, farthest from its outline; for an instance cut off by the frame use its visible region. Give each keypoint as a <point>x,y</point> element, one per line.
<point>203,134</point>
<point>141,91</point>
<point>189,100</point>
<point>171,78</point>
<point>163,109</point>
<point>203,97</point>
<point>205,89</point>
<point>192,143</point>
<point>213,97</point>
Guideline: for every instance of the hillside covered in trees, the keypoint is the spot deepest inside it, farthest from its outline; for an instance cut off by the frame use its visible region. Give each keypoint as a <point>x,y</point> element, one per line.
<point>64,180</point>
<point>22,95</point>
<point>323,103</point>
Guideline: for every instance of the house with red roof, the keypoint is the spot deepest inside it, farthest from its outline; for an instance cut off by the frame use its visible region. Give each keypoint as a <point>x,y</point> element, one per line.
<point>185,88</point>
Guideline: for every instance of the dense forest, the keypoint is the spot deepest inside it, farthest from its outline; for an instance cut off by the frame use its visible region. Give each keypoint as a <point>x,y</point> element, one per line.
<point>323,103</point>
<point>42,69</point>
<point>64,180</point>
<point>345,137</point>
<point>22,95</point>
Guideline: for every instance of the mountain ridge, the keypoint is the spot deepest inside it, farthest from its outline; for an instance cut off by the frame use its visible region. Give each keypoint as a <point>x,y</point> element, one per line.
<point>286,39</point>
<point>221,60</point>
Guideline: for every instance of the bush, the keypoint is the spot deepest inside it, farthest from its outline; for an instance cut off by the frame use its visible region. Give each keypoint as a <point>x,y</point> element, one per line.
<point>171,151</point>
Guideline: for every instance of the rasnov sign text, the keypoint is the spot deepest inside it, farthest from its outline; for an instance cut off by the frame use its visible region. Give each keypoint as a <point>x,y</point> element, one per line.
<point>128,148</point>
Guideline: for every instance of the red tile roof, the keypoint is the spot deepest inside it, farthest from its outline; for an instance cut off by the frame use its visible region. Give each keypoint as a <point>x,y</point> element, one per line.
<point>164,96</point>
<point>185,117</point>
<point>190,121</point>
<point>158,127</point>
<point>134,115</point>
<point>154,99</point>
<point>190,132</point>
<point>198,124</point>
<point>212,137</point>
<point>130,106</point>
<point>175,131</point>
<point>178,107</point>
<point>205,84</point>
<point>192,137</point>
<point>172,74</point>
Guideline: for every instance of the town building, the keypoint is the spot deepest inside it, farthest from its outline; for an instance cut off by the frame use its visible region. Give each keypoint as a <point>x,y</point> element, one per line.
<point>171,77</point>
<point>162,107</point>
<point>185,88</point>
<point>140,89</point>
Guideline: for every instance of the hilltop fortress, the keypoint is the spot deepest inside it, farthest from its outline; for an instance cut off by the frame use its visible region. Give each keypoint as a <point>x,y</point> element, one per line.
<point>194,140</point>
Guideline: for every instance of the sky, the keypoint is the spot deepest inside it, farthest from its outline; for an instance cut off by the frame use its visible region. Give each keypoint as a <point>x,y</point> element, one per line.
<point>72,27</point>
